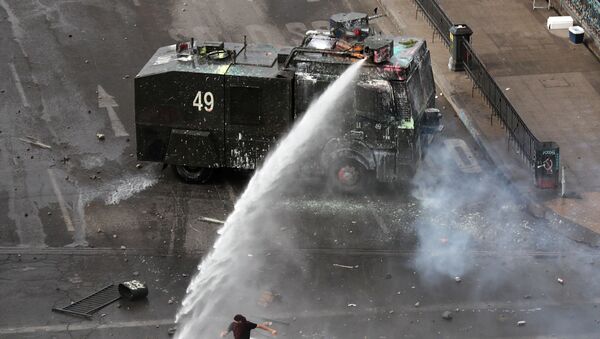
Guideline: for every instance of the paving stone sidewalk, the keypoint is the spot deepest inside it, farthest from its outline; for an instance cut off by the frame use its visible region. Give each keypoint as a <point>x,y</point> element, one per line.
<point>553,84</point>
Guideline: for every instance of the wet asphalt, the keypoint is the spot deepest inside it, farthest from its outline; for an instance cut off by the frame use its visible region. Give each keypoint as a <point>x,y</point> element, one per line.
<point>81,214</point>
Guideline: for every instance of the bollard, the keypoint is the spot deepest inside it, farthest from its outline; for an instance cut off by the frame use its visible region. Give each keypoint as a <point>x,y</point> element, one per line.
<point>458,34</point>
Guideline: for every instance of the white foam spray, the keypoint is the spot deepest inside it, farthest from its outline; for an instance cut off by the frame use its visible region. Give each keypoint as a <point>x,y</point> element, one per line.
<point>211,293</point>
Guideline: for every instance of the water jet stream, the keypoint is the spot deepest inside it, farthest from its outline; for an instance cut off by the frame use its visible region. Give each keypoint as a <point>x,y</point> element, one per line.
<point>227,270</point>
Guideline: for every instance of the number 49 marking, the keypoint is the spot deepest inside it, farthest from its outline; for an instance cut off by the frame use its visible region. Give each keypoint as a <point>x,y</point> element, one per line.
<point>206,101</point>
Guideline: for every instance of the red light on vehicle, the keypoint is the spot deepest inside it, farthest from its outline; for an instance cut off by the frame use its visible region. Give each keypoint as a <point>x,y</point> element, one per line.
<point>356,32</point>
<point>182,46</point>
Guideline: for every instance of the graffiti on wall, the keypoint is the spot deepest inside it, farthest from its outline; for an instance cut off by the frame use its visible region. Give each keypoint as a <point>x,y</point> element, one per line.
<point>588,12</point>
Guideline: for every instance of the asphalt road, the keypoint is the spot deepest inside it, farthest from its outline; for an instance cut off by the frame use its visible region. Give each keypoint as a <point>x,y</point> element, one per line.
<point>80,213</point>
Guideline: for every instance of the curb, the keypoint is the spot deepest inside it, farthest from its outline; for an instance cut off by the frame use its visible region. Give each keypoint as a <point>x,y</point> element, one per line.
<point>570,229</point>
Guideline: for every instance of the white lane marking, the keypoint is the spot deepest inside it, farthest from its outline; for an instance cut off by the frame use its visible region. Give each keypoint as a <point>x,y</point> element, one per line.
<point>61,201</point>
<point>84,326</point>
<point>19,85</point>
<point>297,29</point>
<point>136,3</point>
<point>107,101</point>
<point>266,32</point>
<point>18,31</point>
<point>467,162</point>
<point>322,25</point>
<point>312,0</point>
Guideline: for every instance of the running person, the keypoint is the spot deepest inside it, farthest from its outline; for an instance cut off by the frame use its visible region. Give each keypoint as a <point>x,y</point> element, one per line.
<point>241,328</point>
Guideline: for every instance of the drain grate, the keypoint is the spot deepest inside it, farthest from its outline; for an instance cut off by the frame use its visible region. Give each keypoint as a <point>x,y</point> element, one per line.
<point>555,82</point>
<point>92,303</point>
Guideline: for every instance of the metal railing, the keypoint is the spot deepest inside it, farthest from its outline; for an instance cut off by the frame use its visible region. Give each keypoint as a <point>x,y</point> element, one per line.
<point>437,17</point>
<point>518,132</point>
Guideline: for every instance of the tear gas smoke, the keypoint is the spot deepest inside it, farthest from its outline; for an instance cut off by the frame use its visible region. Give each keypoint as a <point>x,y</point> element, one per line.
<point>222,288</point>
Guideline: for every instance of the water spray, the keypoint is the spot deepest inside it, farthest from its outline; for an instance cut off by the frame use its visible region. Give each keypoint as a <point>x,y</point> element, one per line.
<point>214,281</point>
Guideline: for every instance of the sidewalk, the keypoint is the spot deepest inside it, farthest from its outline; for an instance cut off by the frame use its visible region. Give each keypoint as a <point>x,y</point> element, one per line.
<point>553,84</point>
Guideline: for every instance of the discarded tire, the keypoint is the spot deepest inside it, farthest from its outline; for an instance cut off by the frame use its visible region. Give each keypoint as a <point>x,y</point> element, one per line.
<point>133,290</point>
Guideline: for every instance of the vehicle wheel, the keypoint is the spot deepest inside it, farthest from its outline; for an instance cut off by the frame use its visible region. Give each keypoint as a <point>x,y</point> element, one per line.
<point>348,176</point>
<point>194,175</point>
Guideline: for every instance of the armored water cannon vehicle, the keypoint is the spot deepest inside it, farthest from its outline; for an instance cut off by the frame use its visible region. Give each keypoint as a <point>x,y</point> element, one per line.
<point>203,105</point>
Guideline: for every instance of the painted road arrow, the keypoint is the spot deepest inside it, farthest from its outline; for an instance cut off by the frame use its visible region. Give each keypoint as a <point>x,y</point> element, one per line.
<point>108,101</point>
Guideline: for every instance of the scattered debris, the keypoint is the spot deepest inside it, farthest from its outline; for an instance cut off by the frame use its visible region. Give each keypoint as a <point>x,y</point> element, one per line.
<point>212,220</point>
<point>100,136</point>
<point>508,88</point>
<point>133,289</point>
<point>138,166</point>
<point>521,323</point>
<point>560,281</point>
<point>136,273</point>
<point>351,305</point>
<point>267,298</point>
<point>123,247</point>
<point>172,330</point>
<point>527,296</point>
<point>457,279</point>
<point>417,304</point>
<point>35,142</point>
<point>344,266</point>
<point>447,315</point>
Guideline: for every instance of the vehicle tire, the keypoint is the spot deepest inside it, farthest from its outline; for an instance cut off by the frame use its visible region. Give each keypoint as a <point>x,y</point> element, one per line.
<point>348,175</point>
<point>194,175</point>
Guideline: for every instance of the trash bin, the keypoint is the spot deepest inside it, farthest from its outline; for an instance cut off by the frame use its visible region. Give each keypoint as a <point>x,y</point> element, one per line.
<point>458,34</point>
<point>547,158</point>
<point>576,34</point>
<point>133,289</point>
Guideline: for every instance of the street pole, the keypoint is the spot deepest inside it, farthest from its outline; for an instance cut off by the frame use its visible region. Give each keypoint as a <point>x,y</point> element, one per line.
<point>562,182</point>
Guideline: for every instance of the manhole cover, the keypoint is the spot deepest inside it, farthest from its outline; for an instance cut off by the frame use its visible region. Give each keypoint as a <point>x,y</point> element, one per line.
<point>559,82</point>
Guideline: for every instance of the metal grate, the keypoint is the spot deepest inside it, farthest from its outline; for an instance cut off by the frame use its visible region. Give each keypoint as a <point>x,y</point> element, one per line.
<point>92,303</point>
